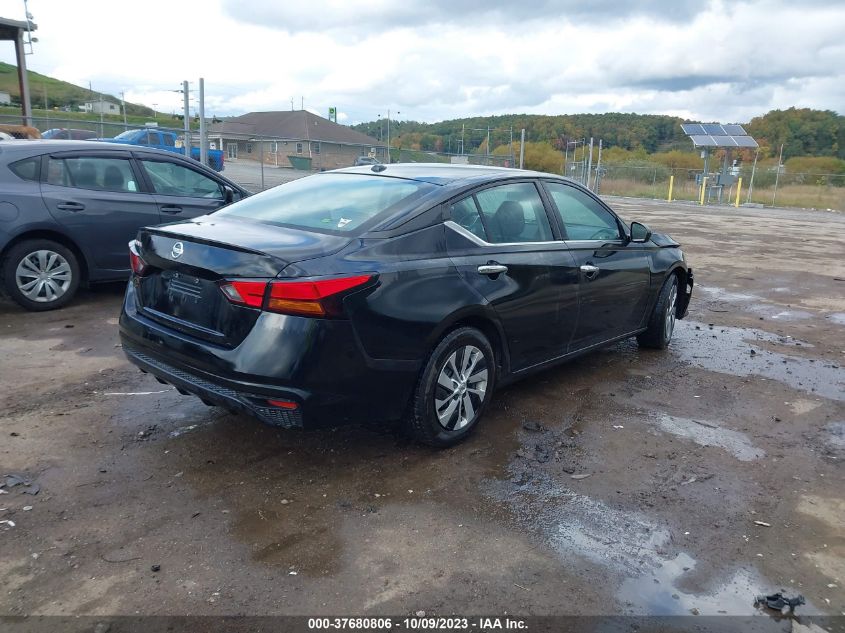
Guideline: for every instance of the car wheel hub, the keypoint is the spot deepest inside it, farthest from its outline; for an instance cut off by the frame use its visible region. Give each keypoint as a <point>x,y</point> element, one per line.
<point>43,276</point>
<point>671,310</point>
<point>461,388</point>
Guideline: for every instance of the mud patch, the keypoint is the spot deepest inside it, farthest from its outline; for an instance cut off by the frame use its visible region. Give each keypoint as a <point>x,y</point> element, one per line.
<point>709,434</point>
<point>740,352</point>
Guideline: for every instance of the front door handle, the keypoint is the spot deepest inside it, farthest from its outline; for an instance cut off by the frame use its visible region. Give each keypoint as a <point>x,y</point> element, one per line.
<point>492,269</point>
<point>590,271</point>
<point>171,208</point>
<point>70,206</point>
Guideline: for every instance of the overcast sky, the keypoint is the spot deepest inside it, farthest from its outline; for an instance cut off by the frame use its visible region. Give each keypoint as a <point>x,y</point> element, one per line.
<point>442,59</point>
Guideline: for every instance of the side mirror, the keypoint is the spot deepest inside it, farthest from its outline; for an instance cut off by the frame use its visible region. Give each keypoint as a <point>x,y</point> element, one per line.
<point>640,232</point>
<point>228,194</point>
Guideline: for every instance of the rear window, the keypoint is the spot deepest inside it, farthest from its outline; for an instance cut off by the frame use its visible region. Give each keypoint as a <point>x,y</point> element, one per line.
<point>332,202</point>
<point>27,169</point>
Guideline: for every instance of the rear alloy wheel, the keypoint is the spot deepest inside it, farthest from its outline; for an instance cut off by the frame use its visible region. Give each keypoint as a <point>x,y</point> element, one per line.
<point>454,388</point>
<point>661,323</point>
<point>41,274</point>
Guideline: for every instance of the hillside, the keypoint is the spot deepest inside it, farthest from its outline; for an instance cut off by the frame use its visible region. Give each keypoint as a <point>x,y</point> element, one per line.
<point>58,93</point>
<point>804,132</point>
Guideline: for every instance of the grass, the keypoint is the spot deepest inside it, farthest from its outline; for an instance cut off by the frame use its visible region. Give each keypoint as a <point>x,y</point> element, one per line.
<point>58,92</point>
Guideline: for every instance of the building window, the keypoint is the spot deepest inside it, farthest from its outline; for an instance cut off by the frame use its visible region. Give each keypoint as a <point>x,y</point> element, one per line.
<point>275,147</point>
<point>249,148</point>
<point>299,148</point>
<point>315,147</point>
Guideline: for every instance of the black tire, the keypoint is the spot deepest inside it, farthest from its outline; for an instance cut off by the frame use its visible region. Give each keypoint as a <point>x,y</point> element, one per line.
<point>62,266</point>
<point>661,323</point>
<point>422,421</point>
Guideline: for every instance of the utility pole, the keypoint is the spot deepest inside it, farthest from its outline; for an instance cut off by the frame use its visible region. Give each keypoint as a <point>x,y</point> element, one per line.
<point>388,136</point>
<point>522,149</point>
<point>186,94</point>
<point>203,137</point>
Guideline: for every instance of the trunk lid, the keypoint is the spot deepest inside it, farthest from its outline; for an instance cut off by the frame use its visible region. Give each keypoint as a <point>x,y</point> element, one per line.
<point>187,262</point>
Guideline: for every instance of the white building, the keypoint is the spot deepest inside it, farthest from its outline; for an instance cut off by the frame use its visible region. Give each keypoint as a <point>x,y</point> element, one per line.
<point>5,98</point>
<point>106,107</point>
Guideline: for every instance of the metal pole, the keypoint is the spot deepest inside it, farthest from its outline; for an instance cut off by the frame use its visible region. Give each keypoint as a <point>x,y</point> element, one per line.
<point>590,164</point>
<point>203,138</point>
<point>565,158</point>
<point>598,169</point>
<point>186,144</point>
<point>488,144</point>
<point>261,145</point>
<point>463,129</point>
<point>738,190</point>
<point>101,116</point>
<point>753,169</point>
<point>123,107</point>
<point>23,79</point>
<point>388,136</point>
<point>522,149</point>
<point>777,175</point>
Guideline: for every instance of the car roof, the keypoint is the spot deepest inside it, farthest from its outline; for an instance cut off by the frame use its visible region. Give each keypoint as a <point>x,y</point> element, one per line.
<point>33,147</point>
<point>443,173</point>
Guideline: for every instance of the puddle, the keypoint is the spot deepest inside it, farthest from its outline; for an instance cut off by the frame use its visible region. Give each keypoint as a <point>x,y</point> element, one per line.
<point>837,317</point>
<point>731,350</point>
<point>767,310</point>
<point>706,433</point>
<point>655,575</point>
<point>657,592</point>
<point>835,432</point>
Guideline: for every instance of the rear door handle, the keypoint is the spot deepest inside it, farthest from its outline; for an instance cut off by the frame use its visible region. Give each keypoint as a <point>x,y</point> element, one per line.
<point>170,208</point>
<point>70,206</point>
<point>590,271</point>
<point>492,269</point>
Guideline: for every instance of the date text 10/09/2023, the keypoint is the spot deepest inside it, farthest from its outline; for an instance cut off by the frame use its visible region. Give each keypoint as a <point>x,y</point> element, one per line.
<point>429,623</point>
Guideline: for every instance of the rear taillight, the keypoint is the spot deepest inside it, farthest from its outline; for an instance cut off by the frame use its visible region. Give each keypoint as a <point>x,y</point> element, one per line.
<point>136,262</point>
<point>312,298</point>
<point>320,298</point>
<point>247,293</point>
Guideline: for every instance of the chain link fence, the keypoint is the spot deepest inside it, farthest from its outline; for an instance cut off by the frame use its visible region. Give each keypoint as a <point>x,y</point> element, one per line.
<point>805,190</point>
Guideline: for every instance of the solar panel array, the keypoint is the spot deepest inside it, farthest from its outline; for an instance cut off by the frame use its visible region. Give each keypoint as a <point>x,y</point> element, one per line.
<point>717,135</point>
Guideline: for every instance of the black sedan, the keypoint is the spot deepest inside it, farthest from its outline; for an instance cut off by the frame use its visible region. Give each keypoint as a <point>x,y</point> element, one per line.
<point>401,292</point>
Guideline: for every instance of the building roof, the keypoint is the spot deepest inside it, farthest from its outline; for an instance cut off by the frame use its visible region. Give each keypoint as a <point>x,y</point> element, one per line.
<point>299,125</point>
<point>9,29</point>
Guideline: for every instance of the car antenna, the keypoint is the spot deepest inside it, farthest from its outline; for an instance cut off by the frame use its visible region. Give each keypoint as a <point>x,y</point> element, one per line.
<point>379,168</point>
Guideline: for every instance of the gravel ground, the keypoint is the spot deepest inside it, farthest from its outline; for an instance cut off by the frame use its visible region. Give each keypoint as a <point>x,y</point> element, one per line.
<point>627,481</point>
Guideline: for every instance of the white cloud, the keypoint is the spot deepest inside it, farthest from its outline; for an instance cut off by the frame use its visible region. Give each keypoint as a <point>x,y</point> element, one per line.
<point>703,60</point>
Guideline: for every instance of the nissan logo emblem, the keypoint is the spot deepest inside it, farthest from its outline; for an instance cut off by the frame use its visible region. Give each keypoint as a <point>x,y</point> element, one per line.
<point>177,250</point>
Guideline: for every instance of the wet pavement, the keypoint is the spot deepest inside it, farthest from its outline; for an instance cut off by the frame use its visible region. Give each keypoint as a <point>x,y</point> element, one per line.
<point>627,481</point>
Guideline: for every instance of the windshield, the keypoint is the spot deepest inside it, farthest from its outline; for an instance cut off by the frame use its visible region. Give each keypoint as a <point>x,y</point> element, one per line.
<point>127,134</point>
<point>333,202</point>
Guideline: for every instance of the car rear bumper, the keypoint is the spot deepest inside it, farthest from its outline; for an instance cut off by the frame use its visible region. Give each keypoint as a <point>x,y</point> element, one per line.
<point>321,370</point>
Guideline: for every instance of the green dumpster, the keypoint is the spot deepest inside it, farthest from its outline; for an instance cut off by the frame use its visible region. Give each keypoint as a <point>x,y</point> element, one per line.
<point>300,162</point>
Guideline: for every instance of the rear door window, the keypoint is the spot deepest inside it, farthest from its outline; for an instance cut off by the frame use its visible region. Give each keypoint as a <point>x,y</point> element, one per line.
<point>92,172</point>
<point>514,213</point>
<point>27,169</point>
<point>465,213</point>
